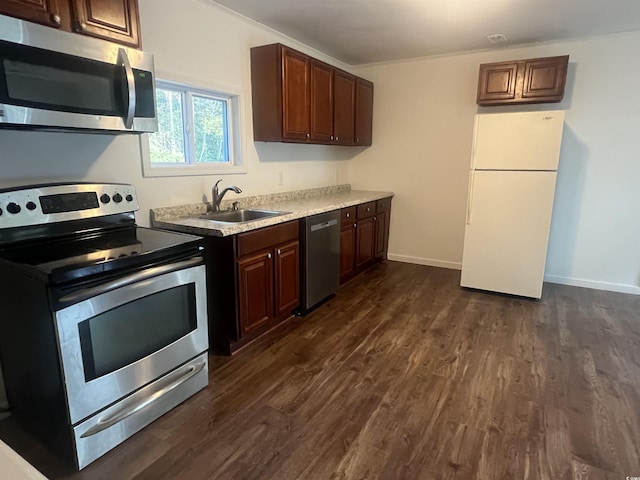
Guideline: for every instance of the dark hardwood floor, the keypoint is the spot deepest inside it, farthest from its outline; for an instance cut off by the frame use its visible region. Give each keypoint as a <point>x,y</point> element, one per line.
<point>404,375</point>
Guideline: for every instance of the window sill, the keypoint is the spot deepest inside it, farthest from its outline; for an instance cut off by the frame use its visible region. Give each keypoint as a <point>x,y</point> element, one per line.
<point>173,170</point>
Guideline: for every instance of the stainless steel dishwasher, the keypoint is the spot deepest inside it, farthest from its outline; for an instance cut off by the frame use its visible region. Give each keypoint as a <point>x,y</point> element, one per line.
<point>321,259</point>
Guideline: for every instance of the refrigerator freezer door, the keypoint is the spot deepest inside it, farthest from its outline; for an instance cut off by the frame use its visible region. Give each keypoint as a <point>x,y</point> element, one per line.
<point>518,141</point>
<point>507,231</point>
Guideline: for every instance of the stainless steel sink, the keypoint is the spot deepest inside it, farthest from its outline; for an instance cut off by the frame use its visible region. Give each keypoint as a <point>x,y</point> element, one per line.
<point>241,216</point>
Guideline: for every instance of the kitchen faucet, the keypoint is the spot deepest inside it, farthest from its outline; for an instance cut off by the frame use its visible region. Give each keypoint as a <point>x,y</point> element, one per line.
<point>216,197</point>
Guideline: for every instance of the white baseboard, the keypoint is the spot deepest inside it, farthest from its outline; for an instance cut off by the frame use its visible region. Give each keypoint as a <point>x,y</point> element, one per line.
<point>579,282</point>
<point>574,282</point>
<point>424,261</point>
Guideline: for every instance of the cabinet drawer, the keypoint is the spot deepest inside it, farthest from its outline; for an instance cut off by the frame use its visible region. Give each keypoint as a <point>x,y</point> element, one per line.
<point>348,215</point>
<point>267,237</point>
<point>383,205</point>
<point>366,210</point>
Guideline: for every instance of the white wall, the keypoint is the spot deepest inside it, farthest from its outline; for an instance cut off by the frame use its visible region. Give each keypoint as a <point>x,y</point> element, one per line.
<point>423,121</point>
<point>190,39</point>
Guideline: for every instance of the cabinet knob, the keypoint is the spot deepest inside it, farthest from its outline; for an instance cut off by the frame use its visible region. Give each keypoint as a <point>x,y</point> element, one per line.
<point>331,137</point>
<point>269,255</point>
<point>368,209</point>
<point>308,135</point>
<point>375,217</point>
<point>279,252</point>
<point>83,26</point>
<point>56,19</point>
<point>337,139</point>
<point>355,225</point>
<point>348,215</point>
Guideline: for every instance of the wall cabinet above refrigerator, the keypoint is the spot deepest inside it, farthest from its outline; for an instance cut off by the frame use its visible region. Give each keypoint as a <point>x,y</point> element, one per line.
<point>299,99</point>
<point>534,80</point>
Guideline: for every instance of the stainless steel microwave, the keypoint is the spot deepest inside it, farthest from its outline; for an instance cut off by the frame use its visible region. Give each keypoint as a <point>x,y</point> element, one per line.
<point>53,80</point>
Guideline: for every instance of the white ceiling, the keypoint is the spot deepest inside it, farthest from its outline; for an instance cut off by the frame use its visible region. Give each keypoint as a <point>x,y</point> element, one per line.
<point>368,31</point>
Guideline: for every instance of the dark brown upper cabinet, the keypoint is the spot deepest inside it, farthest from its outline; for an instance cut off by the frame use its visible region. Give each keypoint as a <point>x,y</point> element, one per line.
<point>364,112</point>
<point>44,12</point>
<point>116,21</point>
<point>321,93</point>
<point>534,80</point>
<point>110,20</point>
<point>299,99</point>
<point>344,113</point>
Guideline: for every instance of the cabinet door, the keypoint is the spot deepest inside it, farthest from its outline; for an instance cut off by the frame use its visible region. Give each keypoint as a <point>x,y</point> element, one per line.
<point>321,102</point>
<point>295,95</point>
<point>497,82</point>
<point>544,78</point>
<point>114,21</point>
<point>365,241</point>
<point>287,264</point>
<point>255,291</point>
<point>382,234</point>
<point>344,98</point>
<point>347,250</point>
<point>364,112</point>
<point>45,12</point>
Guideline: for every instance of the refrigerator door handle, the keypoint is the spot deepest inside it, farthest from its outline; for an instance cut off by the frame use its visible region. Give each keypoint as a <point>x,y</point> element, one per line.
<point>472,176</point>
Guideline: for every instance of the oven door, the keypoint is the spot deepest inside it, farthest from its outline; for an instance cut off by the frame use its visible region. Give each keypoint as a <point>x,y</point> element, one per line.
<point>124,334</point>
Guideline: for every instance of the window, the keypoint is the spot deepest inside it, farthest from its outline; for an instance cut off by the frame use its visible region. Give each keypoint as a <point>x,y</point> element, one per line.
<point>198,132</point>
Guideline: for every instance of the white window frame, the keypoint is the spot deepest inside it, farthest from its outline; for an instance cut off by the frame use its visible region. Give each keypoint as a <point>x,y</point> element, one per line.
<point>190,87</point>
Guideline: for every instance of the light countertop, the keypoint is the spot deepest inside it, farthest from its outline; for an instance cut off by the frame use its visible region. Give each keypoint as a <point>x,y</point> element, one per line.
<point>299,204</point>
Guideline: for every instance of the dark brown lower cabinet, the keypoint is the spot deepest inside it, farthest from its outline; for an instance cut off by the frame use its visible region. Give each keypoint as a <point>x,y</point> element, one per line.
<point>364,236</point>
<point>255,292</point>
<point>287,278</point>
<point>253,283</point>
<point>365,239</point>
<point>383,217</point>
<point>347,251</point>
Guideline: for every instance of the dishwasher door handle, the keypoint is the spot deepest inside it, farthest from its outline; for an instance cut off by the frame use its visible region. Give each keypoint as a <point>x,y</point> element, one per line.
<point>323,225</point>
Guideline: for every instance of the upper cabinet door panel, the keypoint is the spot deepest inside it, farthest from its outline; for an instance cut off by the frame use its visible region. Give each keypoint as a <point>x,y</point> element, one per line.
<point>114,20</point>
<point>497,82</point>
<point>545,77</point>
<point>321,101</point>
<point>45,12</point>
<point>364,112</point>
<point>344,96</point>
<point>295,94</point>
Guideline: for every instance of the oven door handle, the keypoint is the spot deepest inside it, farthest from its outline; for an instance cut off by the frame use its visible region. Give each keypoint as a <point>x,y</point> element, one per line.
<point>90,292</point>
<point>134,407</point>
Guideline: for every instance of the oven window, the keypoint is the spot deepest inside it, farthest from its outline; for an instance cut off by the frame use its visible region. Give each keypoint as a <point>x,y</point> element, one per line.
<point>126,334</point>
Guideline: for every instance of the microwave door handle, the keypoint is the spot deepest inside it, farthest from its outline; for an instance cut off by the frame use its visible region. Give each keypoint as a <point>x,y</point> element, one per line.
<point>90,292</point>
<point>131,87</point>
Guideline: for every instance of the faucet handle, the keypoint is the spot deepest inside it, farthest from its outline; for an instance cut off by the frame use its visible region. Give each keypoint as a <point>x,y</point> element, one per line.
<point>234,206</point>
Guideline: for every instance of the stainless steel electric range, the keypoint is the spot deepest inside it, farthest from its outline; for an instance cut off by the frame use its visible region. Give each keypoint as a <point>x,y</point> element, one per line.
<point>104,323</point>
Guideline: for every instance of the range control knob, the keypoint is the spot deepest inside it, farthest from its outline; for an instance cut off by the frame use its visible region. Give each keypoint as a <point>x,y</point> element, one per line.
<point>104,198</point>
<point>129,198</point>
<point>117,198</point>
<point>13,208</point>
<point>31,206</point>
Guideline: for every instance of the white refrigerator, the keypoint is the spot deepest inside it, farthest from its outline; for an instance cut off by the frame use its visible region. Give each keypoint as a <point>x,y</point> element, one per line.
<point>512,181</point>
